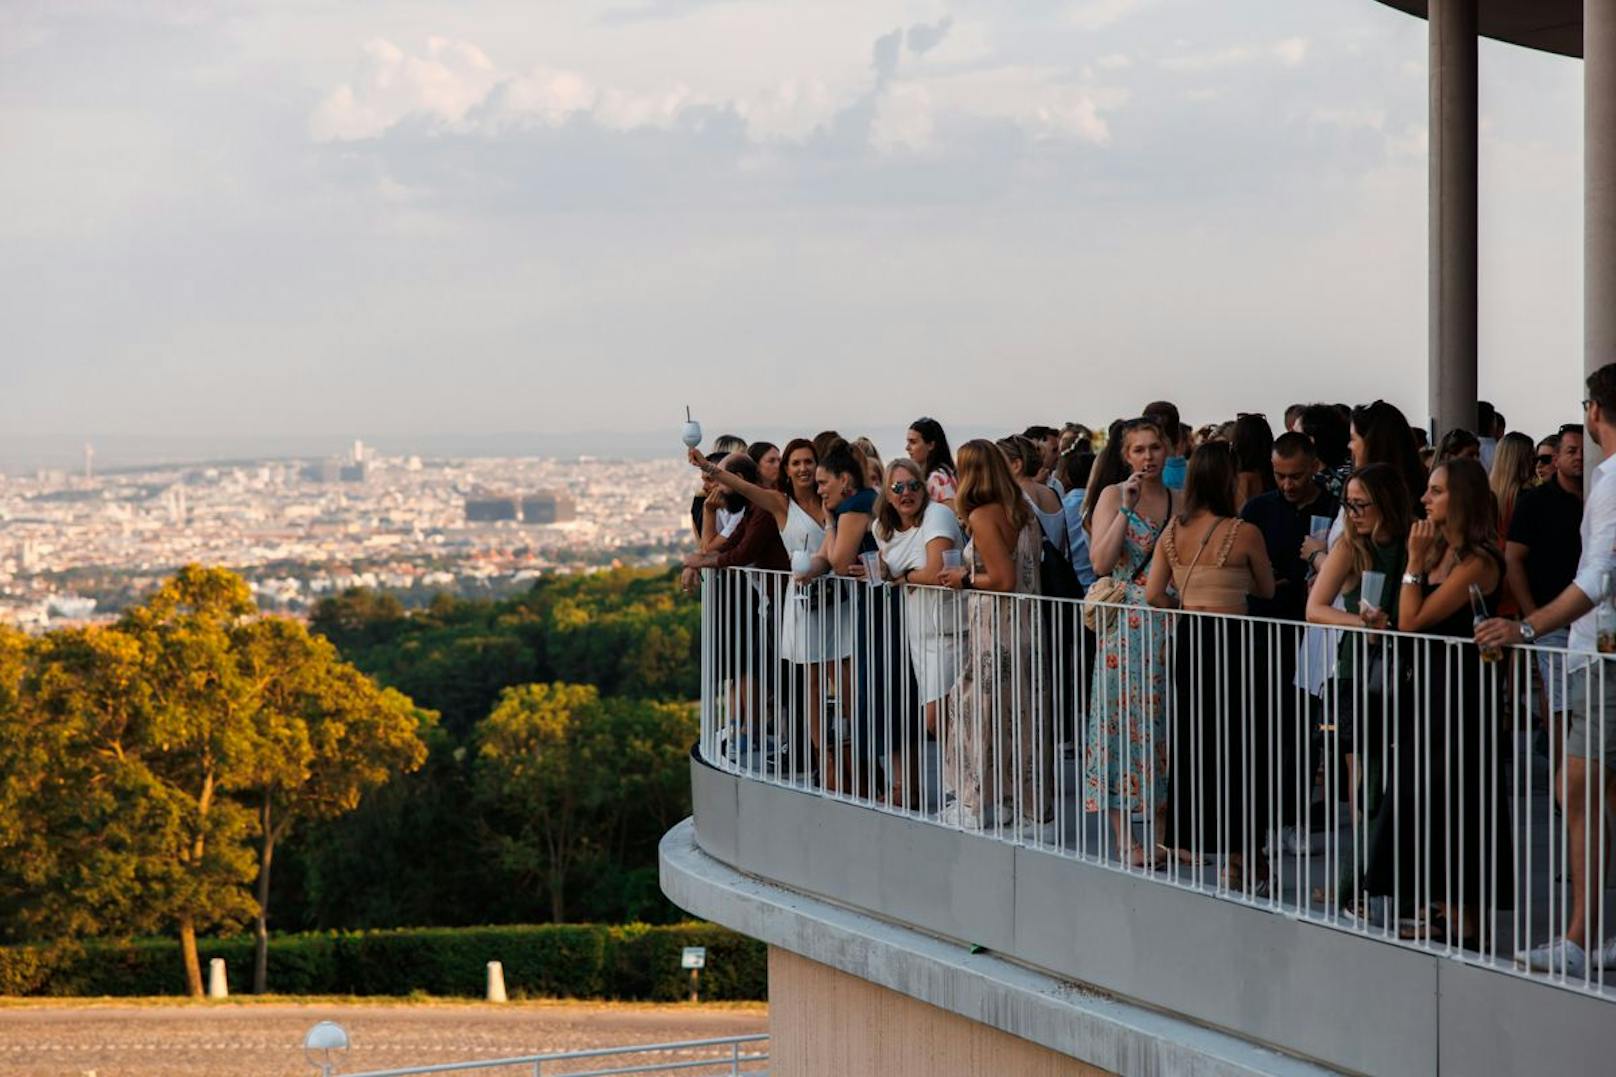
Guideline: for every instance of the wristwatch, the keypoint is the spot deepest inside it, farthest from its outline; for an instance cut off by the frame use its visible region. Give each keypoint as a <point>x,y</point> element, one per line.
<point>1528,633</point>
<point>1414,578</point>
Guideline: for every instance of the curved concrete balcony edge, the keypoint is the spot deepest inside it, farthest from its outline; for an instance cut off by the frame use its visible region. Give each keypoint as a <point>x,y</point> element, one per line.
<point>800,870</point>
<point>1103,1031</point>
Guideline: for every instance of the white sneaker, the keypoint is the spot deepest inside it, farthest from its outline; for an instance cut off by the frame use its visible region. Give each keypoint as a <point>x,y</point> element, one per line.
<point>1559,956</point>
<point>1607,953</point>
<point>957,818</point>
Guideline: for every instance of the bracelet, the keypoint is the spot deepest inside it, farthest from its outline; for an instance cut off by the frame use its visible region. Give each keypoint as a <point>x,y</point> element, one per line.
<point>1415,579</point>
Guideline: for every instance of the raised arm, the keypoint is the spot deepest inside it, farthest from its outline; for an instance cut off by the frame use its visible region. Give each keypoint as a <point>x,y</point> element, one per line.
<point>1107,530</point>
<point>770,501</point>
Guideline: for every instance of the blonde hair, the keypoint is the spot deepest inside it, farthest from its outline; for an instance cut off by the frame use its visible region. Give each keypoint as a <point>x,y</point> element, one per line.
<point>887,517</point>
<point>1513,471</point>
<point>985,479</point>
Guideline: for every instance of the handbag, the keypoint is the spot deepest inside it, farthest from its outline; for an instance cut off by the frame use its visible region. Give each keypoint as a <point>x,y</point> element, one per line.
<point>1105,594</point>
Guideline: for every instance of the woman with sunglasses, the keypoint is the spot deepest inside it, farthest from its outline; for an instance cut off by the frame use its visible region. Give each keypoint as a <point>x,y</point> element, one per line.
<point>914,533</point>
<point>1543,461</point>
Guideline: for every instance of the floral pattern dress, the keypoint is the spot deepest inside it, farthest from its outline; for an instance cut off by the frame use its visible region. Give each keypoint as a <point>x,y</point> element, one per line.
<point>1125,765</point>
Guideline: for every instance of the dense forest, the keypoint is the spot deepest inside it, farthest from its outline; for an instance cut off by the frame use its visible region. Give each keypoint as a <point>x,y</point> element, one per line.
<point>475,762</point>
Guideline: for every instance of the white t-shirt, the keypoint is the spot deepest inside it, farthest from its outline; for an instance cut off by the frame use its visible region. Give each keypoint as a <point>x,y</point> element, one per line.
<point>728,521</point>
<point>905,551</point>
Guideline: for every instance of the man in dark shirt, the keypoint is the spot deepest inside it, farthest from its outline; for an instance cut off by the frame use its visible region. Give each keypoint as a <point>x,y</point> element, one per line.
<point>1283,515</point>
<point>1541,553</point>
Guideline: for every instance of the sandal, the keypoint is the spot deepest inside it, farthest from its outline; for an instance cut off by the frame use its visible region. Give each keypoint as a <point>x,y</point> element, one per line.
<point>1435,927</point>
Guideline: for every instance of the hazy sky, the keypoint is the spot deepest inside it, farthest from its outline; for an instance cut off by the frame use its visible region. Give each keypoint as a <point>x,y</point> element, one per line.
<point>248,219</point>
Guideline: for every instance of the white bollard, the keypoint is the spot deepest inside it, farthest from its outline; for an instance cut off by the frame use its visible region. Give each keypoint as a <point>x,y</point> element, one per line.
<point>496,982</point>
<point>217,985</point>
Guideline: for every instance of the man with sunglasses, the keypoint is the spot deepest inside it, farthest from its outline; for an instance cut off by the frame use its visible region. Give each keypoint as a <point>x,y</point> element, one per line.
<point>1587,775</point>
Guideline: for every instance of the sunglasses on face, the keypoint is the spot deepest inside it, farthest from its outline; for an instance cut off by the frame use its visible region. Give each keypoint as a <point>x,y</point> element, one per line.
<point>1357,508</point>
<point>1546,458</point>
<point>906,486</point>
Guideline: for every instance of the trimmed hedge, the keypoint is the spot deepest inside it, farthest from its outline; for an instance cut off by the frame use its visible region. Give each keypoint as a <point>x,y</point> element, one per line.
<point>631,961</point>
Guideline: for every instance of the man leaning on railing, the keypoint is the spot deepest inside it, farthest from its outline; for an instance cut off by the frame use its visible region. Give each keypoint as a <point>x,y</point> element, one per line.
<point>1591,742</point>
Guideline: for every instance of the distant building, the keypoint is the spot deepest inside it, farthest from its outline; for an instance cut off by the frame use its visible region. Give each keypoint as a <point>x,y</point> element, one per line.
<point>488,510</point>
<point>356,472</point>
<point>548,507</point>
<point>324,471</point>
<point>539,507</point>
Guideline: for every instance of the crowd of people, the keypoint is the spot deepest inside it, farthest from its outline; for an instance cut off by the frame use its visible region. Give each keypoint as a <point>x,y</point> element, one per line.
<point>1347,538</point>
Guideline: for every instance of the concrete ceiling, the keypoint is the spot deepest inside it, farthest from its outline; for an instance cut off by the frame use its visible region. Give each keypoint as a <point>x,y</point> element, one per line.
<point>1549,25</point>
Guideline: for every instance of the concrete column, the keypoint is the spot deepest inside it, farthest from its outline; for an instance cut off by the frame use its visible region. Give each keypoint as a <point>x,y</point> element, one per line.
<point>1451,360</point>
<point>1599,196</point>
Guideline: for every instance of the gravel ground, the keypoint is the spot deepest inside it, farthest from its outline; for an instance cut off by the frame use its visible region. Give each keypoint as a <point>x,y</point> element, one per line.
<point>263,1039</point>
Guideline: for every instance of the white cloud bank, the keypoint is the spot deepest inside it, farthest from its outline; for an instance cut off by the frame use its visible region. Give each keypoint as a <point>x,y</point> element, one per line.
<point>454,85</point>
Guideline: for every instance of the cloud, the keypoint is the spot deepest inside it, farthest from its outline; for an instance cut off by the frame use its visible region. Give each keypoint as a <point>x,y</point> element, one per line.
<point>884,55</point>
<point>1098,14</point>
<point>922,38</point>
<point>444,85</point>
<point>1289,52</point>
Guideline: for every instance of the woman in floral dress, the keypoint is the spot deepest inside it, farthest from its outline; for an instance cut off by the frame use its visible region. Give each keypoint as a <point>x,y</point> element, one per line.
<point>1125,766</point>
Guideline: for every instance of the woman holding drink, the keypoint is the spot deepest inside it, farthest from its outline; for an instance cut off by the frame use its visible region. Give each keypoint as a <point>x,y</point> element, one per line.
<point>1364,570</point>
<point>1462,831</point>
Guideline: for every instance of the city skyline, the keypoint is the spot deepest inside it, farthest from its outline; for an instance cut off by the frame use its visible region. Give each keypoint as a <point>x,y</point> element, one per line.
<point>412,222</point>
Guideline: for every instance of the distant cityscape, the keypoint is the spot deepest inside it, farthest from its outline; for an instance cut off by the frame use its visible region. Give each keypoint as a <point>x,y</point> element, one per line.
<point>78,546</point>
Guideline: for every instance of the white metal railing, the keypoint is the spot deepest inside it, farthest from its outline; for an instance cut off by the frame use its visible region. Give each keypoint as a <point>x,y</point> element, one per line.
<point>1388,784</point>
<point>723,1055</point>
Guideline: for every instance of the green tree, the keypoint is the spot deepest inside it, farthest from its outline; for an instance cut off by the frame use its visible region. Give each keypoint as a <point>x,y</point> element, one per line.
<point>333,736</point>
<point>200,740</point>
<point>570,778</point>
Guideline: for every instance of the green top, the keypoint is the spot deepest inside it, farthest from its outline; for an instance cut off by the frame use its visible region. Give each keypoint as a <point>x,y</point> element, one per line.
<point>1391,560</point>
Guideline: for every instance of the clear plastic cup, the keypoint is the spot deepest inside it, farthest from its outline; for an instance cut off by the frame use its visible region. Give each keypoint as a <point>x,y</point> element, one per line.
<point>953,559</point>
<point>801,562</point>
<point>872,567</point>
<point>1374,587</point>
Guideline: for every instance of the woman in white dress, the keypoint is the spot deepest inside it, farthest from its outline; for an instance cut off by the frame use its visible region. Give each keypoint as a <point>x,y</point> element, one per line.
<point>913,533</point>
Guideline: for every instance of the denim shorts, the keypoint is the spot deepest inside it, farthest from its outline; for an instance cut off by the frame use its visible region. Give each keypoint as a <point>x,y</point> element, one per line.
<point>1551,667</point>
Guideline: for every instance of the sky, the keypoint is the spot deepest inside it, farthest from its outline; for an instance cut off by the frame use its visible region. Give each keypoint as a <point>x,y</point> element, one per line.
<point>240,226</point>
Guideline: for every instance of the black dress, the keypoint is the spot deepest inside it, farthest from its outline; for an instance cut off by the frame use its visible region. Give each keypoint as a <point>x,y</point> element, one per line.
<point>1441,832</point>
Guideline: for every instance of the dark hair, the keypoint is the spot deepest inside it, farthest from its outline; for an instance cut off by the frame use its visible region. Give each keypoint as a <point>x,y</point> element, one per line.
<point>1108,469</point>
<point>1018,448</point>
<point>1568,428</point>
<point>841,461</point>
<point>1164,414</point>
<point>1389,494</point>
<point>1075,467</point>
<point>1477,515</point>
<point>1453,443</point>
<point>823,442</point>
<point>1328,429</point>
<point>1290,445</point>
<point>742,466</point>
<point>717,456</point>
<point>1387,440</point>
<point>1039,433</point>
<point>939,458</point>
<point>1422,440</point>
<point>1499,425</point>
<point>1485,413</point>
<point>759,449</point>
<point>1293,413</point>
<point>1602,390</point>
<point>783,480</point>
<point>1253,444</point>
<point>1210,481</point>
